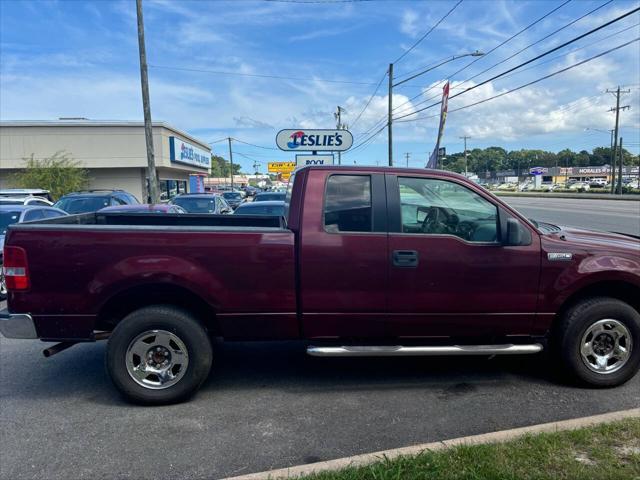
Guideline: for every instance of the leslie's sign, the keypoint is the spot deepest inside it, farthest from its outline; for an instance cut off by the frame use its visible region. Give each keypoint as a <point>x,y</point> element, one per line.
<point>314,140</point>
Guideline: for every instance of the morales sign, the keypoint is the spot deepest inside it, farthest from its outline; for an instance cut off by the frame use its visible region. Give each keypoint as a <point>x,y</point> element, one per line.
<point>314,140</point>
<point>183,152</point>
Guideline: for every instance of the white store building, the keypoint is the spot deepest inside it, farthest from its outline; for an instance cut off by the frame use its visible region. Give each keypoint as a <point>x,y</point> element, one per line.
<point>114,152</point>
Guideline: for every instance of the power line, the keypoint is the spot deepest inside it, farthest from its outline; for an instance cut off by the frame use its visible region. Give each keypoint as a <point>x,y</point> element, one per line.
<point>369,101</point>
<point>539,40</point>
<point>490,51</point>
<point>367,140</point>
<point>532,82</point>
<point>428,32</point>
<point>575,39</point>
<point>258,75</point>
<point>257,146</point>
<point>573,50</point>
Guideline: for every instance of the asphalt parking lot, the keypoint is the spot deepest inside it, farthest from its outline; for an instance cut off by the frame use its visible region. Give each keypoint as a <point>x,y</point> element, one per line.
<point>269,405</point>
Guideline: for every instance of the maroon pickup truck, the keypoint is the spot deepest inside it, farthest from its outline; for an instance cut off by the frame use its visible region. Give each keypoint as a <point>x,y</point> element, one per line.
<point>366,261</point>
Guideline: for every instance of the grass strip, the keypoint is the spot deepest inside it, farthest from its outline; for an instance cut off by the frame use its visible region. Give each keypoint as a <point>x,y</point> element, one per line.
<point>608,451</point>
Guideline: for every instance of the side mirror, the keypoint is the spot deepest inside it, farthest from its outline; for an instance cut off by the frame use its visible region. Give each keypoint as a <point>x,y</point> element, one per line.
<point>514,232</point>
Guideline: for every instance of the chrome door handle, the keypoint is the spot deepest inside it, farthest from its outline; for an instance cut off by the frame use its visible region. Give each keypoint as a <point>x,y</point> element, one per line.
<point>405,258</point>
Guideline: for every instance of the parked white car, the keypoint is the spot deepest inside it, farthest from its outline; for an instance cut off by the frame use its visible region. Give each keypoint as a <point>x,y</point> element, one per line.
<point>579,186</point>
<point>26,200</point>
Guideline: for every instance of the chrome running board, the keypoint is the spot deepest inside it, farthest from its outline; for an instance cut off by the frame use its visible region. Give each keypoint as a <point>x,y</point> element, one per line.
<point>400,351</point>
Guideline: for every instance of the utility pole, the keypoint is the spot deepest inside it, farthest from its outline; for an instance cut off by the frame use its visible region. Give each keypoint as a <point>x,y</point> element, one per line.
<point>148,128</point>
<point>231,162</point>
<point>339,126</point>
<point>389,116</point>
<point>407,155</point>
<point>465,155</point>
<point>615,144</point>
<point>621,155</point>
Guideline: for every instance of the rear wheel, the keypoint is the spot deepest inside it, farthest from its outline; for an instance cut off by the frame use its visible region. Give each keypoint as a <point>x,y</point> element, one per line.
<point>598,342</point>
<point>158,355</point>
<point>3,286</point>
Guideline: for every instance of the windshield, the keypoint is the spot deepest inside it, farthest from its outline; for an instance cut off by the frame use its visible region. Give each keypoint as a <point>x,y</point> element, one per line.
<point>11,202</point>
<point>82,204</point>
<point>6,219</point>
<point>232,195</point>
<point>197,204</point>
<point>272,210</point>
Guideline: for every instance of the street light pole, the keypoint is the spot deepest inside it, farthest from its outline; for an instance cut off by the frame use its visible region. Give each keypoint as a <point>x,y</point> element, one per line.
<point>231,162</point>
<point>146,107</point>
<point>465,155</point>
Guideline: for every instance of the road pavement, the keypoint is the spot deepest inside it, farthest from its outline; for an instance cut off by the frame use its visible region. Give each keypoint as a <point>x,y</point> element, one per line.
<point>607,215</point>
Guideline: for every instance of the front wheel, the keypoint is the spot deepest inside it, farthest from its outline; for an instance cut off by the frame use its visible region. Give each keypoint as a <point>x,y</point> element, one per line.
<point>598,342</point>
<point>158,355</point>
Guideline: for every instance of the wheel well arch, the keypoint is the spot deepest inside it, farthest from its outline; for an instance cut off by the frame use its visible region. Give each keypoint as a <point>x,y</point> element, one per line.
<point>124,302</point>
<point>621,290</point>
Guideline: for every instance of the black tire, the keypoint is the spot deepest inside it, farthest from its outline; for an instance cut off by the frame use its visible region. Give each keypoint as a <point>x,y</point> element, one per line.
<point>568,336</point>
<point>179,323</point>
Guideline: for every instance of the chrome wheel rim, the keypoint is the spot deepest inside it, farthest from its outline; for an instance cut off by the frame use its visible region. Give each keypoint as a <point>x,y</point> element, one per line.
<point>606,346</point>
<point>3,286</point>
<point>157,359</point>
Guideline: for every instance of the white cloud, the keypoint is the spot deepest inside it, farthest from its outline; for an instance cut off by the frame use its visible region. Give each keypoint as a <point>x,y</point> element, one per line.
<point>409,23</point>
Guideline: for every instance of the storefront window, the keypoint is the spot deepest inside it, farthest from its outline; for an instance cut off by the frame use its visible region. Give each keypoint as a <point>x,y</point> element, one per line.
<point>169,189</point>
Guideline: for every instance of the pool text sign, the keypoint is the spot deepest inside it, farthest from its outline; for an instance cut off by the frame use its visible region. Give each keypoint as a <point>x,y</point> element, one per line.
<point>314,140</point>
<point>304,160</point>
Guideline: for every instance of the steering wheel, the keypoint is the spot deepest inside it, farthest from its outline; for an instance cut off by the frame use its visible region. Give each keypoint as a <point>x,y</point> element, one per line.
<point>435,221</point>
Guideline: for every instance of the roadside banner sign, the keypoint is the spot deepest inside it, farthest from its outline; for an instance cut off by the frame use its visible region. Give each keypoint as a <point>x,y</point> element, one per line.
<point>538,170</point>
<point>285,176</point>
<point>304,160</point>
<point>314,140</point>
<point>433,159</point>
<point>281,167</point>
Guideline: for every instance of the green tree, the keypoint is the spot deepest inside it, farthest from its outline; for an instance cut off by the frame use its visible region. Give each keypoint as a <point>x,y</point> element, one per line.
<point>59,173</point>
<point>221,167</point>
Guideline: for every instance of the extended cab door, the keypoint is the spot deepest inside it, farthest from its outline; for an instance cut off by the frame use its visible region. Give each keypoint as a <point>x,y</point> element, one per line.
<point>449,272</point>
<point>343,255</point>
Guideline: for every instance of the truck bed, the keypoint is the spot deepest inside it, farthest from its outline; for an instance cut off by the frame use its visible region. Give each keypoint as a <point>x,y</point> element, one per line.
<point>81,266</point>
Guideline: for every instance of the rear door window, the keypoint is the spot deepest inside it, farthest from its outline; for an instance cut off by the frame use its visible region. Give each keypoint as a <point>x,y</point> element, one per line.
<point>348,204</point>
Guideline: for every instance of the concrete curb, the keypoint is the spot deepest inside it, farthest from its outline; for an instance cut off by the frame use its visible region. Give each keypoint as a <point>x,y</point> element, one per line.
<point>493,437</point>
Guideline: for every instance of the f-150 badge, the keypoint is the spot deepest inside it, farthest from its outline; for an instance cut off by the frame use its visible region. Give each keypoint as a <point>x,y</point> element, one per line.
<point>559,256</point>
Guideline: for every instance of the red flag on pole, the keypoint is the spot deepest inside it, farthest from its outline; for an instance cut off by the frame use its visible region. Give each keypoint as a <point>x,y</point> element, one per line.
<point>433,159</point>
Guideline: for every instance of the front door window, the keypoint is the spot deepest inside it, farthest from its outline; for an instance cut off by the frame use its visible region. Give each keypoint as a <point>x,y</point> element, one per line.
<point>440,207</point>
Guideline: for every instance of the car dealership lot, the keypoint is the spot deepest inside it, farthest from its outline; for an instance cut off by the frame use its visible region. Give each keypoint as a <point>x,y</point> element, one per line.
<point>264,406</point>
<point>608,215</point>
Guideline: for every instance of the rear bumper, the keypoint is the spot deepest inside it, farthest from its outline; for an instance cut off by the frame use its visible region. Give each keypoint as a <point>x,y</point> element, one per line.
<point>18,325</point>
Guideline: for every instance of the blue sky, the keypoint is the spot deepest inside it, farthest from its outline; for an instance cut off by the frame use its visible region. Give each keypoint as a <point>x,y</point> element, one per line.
<point>80,59</point>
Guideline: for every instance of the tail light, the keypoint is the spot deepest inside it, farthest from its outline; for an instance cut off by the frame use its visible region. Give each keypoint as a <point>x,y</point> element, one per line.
<point>15,268</point>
